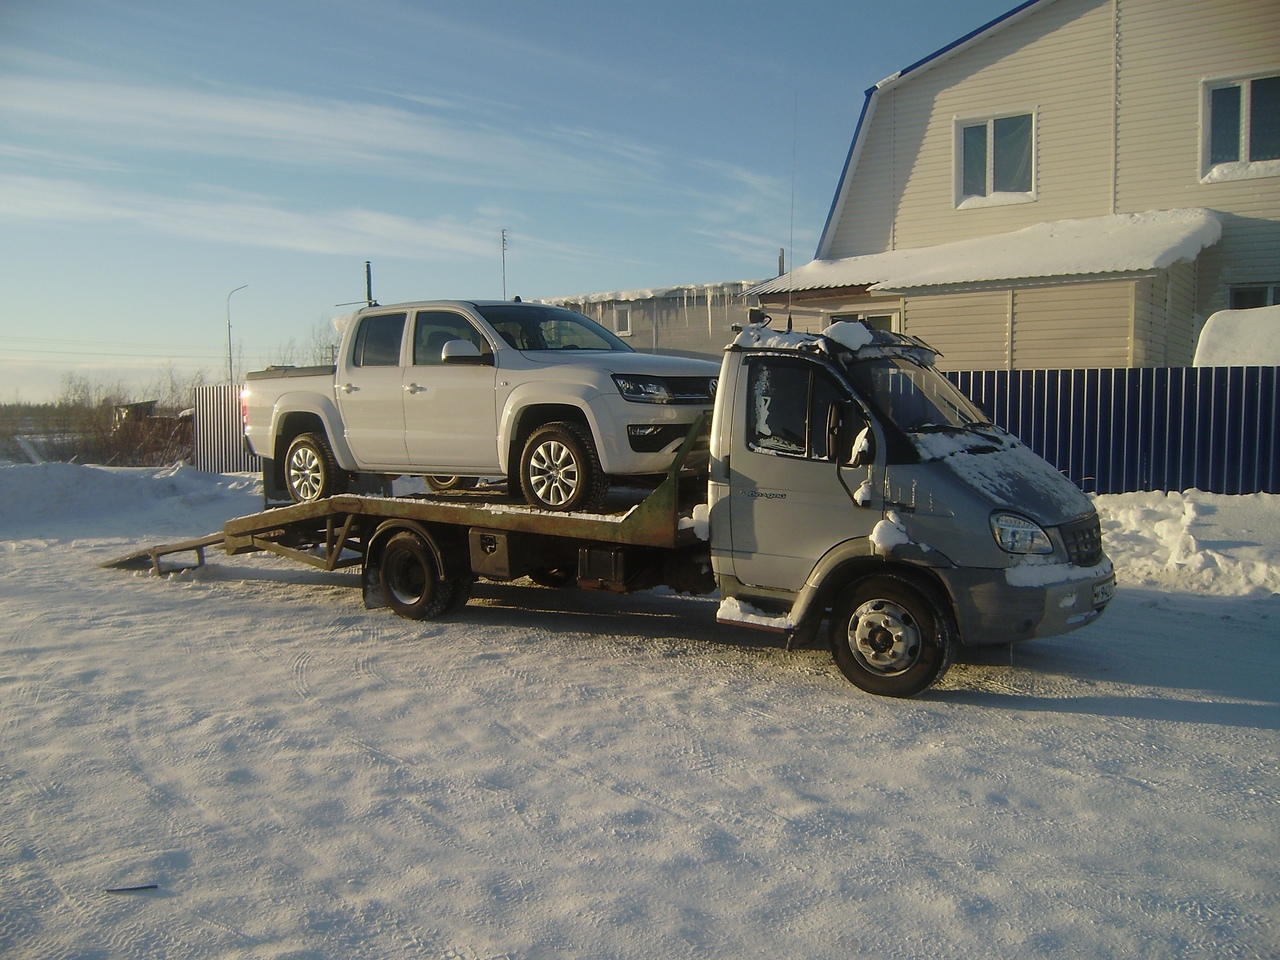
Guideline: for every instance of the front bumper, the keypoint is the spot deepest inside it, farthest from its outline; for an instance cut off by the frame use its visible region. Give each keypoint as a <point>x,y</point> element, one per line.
<point>993,608</point>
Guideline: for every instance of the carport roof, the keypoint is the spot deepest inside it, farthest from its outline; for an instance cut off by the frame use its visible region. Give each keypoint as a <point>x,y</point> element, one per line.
<point>1119,243</point>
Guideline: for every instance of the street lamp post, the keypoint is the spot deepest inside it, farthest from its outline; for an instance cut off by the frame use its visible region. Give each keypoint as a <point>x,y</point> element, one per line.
<point>231,376</point>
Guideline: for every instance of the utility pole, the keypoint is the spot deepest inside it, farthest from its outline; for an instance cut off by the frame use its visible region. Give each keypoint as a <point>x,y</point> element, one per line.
<point>231,376</point>
<point>504,264</point>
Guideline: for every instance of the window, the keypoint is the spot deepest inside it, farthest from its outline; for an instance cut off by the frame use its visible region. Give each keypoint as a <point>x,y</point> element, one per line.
<point>1255,295</point>
<point>622,321</point>
<point>378,341</point>
<point>1241,129</point>
<point>788,406</point>
<point>434,328</point>
<point>995,160</point>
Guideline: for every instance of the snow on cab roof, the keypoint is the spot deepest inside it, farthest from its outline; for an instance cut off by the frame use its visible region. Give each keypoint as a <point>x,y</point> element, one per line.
<point>1118,243</point>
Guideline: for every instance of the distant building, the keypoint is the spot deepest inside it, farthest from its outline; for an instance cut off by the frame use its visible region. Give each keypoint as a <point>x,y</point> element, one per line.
<point>1076,183</point>
<point>695,319</point>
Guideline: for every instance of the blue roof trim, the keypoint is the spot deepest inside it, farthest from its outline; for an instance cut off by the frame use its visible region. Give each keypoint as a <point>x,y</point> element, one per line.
<point>969,36</point>
<point>844,172</point>
<point>872,91</point>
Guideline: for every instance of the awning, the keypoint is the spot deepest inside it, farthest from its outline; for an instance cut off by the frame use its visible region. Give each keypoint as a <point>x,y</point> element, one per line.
<point>1120,243</point>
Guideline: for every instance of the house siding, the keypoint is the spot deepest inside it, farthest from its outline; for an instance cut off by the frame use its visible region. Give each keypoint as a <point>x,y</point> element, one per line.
<point>1168,47</point>
<point>969,329</point>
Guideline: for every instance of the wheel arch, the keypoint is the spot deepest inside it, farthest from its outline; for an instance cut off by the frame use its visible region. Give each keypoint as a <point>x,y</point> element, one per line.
<point>446,544</point>
<point>855,560</point>
<point>523,421</point>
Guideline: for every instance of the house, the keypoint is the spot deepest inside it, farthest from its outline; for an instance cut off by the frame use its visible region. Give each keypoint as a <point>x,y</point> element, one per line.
<point>695,320</point>
<point>1077,183</point>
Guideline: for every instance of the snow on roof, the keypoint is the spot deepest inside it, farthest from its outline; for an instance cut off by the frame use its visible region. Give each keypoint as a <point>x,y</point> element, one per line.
<point>1240,338</point>
<point>1119,243</point>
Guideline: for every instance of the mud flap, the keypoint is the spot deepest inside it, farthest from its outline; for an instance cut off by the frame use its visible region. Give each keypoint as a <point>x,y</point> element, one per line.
<point>371,585</point>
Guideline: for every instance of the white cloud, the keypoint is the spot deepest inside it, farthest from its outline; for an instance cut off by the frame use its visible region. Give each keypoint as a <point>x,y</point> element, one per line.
<point>254,222</point>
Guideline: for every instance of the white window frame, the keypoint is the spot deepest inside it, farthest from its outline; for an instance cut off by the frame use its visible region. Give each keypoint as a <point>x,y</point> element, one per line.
<point>622,320</point>
<point>1272,292</point>
<point>992,198</point>
<point>1243,169</point>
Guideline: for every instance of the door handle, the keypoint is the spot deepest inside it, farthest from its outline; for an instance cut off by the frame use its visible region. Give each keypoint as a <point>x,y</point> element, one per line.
<point>349,388</point>
<point>413,388</point>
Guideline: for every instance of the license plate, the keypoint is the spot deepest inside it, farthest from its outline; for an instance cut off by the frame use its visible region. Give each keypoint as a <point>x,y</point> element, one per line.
<point>1103,592</point>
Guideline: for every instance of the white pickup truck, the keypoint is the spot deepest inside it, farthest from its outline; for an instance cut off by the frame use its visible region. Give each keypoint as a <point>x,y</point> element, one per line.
<point>451,389</point>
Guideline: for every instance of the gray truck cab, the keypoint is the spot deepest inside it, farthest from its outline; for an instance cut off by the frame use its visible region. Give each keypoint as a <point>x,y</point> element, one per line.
<point>852,481</point>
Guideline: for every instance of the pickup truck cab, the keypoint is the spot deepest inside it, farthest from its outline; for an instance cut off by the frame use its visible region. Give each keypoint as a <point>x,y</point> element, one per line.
<point>539,394</point>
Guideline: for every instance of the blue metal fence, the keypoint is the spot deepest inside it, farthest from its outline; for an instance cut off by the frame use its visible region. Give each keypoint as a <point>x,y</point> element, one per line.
<point>1161,428</point>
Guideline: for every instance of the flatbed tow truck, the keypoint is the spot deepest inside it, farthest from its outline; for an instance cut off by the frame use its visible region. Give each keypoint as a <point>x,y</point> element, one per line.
<point>842,480</point>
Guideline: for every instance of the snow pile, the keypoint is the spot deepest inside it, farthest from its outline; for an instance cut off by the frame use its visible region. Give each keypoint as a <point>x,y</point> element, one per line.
<point>1240,338</point>
<point>569,774</point>
<point>1111,244</point>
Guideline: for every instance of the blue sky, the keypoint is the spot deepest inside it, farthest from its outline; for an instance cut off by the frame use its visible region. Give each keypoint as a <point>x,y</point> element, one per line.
<point>154,156</point>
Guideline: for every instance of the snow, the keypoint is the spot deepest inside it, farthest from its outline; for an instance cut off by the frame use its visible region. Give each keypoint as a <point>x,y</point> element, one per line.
<point>568,774</point>
<point>1080,247</point>
<point>1240,338</point>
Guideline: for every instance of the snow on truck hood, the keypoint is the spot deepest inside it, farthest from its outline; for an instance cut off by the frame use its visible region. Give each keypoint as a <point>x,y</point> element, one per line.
<point>1004,471</point>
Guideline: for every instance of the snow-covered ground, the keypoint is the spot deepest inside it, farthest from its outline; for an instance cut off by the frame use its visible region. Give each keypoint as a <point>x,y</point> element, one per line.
<point>562,774</point>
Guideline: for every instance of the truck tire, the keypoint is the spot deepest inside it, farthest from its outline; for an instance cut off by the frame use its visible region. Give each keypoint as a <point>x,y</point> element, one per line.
<point>560,470</point>
<point>890,638</point>
<point>410,580</point>
<point>310,470</point>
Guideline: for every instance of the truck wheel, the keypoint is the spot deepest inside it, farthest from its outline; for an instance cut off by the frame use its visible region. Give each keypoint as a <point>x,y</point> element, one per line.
<point>410,581</point>
<point>559,469</point>
<point>310,471</point>
<point>889,638</point>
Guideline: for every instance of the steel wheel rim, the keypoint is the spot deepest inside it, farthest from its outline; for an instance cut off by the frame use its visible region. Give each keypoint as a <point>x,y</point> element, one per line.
<point>306,474</point>
<point>885,637</point>
<point>553,473</point>
<point>406,580</point>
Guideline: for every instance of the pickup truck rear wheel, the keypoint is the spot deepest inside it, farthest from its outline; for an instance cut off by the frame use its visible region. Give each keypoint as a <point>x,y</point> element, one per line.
<point>310,470</point>
<point>411,582</point>
<point>560,470</point>
<point>890,638</point>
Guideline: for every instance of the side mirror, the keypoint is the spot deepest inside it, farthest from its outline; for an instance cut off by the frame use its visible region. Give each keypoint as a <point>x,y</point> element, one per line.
<point>462,351</point>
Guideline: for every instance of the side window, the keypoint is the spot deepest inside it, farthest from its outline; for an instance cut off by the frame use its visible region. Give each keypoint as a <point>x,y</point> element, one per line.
<point>378,341</point>
<point>787,407</point>
<point>434,328</point>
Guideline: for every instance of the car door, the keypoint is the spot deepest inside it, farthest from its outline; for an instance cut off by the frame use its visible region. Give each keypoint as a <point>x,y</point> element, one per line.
<point>450,407</point>
<point>370,392</point>
<point>787,505</point>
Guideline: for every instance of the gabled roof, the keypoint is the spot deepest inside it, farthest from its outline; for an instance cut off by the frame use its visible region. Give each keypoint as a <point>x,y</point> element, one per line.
<point>1119,243</point>
<point>873,95</point>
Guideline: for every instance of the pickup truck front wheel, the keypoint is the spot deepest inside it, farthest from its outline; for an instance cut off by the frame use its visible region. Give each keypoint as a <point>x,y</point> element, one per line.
<point>890,638</point>
<point>310,471</point>
<point>560,470</point>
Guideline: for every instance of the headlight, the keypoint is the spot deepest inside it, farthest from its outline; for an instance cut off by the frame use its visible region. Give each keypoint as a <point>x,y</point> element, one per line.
<point>643,389</point>
<point>1017,534</point>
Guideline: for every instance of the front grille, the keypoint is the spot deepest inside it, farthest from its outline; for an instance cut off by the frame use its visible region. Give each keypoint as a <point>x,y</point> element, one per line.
<point>1083,539</point>
<point>690,389</point>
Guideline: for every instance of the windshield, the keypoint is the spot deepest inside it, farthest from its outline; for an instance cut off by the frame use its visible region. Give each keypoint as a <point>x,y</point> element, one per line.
<point>913,397</point>
<point>531,326</point>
